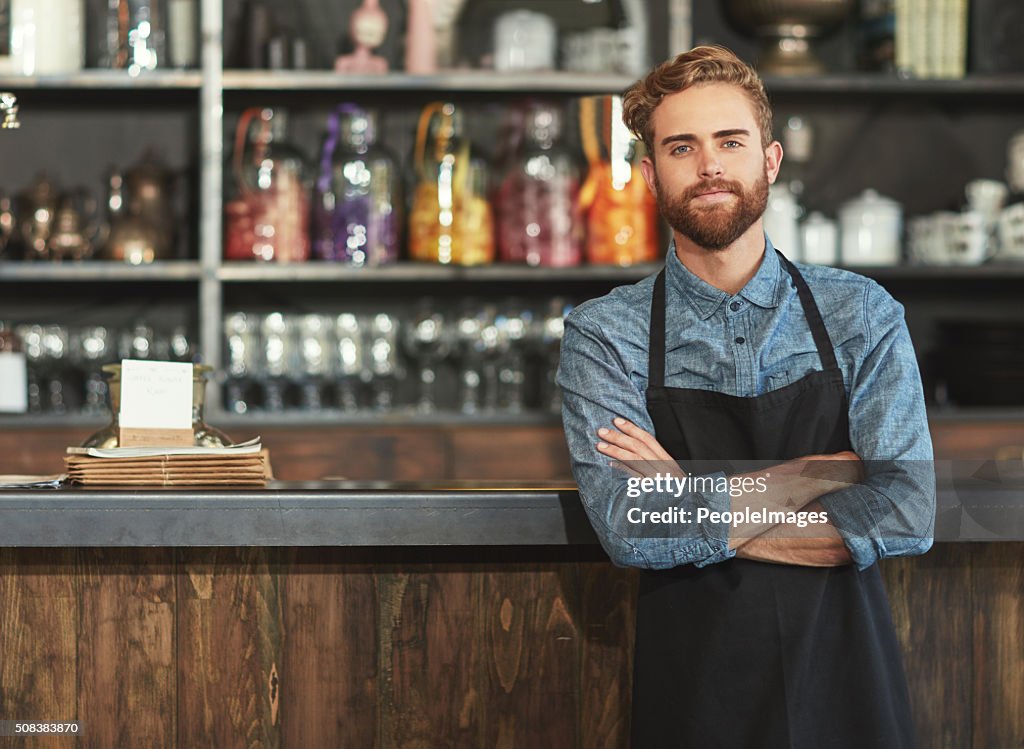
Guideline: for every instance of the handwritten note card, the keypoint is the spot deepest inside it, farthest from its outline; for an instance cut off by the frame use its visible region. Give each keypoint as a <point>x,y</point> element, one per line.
<point>156,403</point>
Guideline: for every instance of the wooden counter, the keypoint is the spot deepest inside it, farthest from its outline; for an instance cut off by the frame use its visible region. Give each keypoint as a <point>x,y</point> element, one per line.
<point>472,643</point>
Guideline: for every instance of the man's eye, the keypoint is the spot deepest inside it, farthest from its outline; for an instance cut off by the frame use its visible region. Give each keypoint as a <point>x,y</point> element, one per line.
<point>681,149</point>
<point>732,144</point>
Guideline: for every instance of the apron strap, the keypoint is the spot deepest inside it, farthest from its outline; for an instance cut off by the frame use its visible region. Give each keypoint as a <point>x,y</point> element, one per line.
<point>656,346</point>
<point>826,352</point>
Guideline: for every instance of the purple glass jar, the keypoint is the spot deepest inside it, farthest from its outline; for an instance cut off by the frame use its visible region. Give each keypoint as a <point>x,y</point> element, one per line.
<point>357,213</point>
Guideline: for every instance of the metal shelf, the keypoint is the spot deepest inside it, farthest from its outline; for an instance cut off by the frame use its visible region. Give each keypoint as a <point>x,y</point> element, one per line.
<point>411,271</point>
<point>449,81</point>
<point>100,270</point>
<point>880,84</point>
<point>1005,271</point>
<point>110,80</point>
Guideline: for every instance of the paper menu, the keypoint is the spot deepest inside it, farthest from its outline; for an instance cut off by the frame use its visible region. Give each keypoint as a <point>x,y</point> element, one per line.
<point>156,403</point>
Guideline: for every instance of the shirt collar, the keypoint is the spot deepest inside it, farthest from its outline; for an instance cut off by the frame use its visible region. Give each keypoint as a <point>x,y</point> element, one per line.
<point>764,289</point>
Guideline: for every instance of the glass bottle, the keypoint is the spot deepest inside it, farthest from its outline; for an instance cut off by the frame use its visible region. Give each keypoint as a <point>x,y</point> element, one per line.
<point>537,203</point>
<point>203,435</point>
<point>450,221</point>
<point>13,372</point>
<point>358,212</point>
<point>268,215</point>
<point>622,215</point>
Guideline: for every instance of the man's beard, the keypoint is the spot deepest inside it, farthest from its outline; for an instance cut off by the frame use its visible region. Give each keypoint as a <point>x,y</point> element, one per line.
<point>717,225</point>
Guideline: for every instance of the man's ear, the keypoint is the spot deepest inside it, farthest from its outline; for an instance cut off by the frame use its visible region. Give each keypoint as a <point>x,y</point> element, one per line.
<point>772,161</point>
<point>647,169</point>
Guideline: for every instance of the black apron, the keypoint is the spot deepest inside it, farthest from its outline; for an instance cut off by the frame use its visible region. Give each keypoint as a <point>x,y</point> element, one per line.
<point>751,655</point>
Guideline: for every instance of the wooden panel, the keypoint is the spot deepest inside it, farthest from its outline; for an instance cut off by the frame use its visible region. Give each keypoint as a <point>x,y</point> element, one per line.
<point>998,585</point>
<point>431,656</point>
<point>361,453</point>
<point>229,649</point>
<point>126,650</point>
<point>606,682</point>
<point>510,453</point>
<point>330,668</point>
<point>939,679</point>
<point>38,621</point>
<point>37,451</point>
<point>530,634</point>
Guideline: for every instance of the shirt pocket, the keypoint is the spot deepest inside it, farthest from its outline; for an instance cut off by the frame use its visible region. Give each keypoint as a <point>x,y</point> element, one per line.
<point>791,369</point>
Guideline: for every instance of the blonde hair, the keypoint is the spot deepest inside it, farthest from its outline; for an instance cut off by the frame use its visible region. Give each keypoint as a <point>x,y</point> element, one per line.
<point>708,63</point>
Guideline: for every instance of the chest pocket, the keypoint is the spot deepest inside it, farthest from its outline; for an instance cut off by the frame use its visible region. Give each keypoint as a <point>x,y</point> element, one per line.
<point>790,370</point>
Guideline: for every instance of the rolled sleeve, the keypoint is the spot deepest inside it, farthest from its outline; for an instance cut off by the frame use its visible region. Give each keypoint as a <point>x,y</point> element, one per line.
<point>892,512</point>
<point>597,387</point>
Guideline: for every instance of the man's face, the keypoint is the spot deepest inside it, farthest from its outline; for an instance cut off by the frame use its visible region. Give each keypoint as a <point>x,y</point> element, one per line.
<point>710,174</point>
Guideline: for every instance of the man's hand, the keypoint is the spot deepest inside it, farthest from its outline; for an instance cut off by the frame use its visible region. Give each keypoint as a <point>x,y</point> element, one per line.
<point>636,450</point>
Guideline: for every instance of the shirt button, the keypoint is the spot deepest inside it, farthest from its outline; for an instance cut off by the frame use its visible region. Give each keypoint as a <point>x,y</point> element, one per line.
<point>734,306</point>
<point>741,339</point>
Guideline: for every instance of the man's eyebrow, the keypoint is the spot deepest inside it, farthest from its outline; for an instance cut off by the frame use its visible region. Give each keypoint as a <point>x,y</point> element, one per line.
<point>687,137</point>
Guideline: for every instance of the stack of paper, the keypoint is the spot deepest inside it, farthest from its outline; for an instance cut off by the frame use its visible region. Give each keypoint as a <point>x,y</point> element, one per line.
<point>244,464</point>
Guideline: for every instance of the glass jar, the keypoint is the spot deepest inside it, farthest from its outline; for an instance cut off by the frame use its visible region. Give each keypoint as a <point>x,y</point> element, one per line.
<point>622,214</point>
<point>450,221</point>
<point>537,202</point>
<point>203,435</point>
<point>358,212</point>
<point>267,217</point>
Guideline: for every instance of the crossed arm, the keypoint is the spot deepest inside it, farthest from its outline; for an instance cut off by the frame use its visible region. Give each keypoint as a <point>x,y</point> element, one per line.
<point>791,489</point>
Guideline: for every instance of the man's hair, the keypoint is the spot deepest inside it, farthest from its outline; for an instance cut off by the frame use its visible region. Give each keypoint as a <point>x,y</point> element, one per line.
<point>708,63</point>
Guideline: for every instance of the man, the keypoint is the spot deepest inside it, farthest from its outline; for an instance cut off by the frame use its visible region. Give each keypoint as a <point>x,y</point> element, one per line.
<point>755,633</point>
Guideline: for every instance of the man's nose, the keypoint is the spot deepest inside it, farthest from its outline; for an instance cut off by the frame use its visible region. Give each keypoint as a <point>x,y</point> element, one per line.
<point>710,166</point>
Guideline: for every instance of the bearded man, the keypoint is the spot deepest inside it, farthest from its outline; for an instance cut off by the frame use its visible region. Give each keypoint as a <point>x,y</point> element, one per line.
<point>762,622</point>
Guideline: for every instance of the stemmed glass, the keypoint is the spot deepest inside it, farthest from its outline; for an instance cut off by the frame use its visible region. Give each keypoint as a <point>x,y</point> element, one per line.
<point>315,346</point>
<point>549,337</point>
<point>349,365</point>
<point>427,340</point>
<point>469,331</point>
<point>515,323</point>
<point>242,338</point>
<point>384,365</point>
<point>54,365</point>
<point>32,341</point>
<point>94,348</point>
<point>277,333</point>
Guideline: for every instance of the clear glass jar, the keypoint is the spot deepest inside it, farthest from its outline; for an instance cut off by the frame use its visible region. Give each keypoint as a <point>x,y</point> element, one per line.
<point>537,201</point>
<point>203,435</point>
<point>357,205</point>
<point>267,217</point>
<point>450,221</point>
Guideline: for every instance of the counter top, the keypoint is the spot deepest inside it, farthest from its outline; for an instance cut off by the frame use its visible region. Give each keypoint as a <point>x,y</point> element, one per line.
<point>345,513</point>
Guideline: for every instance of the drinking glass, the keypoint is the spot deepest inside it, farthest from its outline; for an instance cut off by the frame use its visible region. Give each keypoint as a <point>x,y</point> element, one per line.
<point>349,367</point>
<point>315,333</point>
<point>427,341</point>
<point>384,365</point>
<point>243,350</point>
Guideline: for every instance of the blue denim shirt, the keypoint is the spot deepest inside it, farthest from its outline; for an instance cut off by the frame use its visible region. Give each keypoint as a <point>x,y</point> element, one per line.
<point>603,374</point>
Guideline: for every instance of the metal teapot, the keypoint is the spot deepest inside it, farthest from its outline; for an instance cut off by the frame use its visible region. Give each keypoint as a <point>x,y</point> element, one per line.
<point>74,231</point>
<point>141,213</point>
<point>35,208</point>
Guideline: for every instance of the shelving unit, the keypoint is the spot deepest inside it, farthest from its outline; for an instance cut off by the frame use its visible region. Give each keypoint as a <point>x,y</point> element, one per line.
<point>213,92</point>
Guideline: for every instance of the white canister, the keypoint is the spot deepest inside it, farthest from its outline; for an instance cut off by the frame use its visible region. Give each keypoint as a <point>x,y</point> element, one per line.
<point>1011,232</point>
<point>47,36</point>
<point>819,240</point>
<point>524,40</point>
<point>781,221</point>
<point>870,226</point>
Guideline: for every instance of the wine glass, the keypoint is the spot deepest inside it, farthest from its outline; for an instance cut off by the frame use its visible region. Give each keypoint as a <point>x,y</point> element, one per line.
<point>277,336</point>
<point>427,340</point>
<point>243,351</point>
<point>349,365</point>
<point>549,337</point>
<point>514,321</point>
<point>94,348</point>
<point>384,365</point>
<point>315,346</point>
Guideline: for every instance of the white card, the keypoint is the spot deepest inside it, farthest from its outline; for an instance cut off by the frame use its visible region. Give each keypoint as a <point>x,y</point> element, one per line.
<point>13,383</point>
<point>156,395</point>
